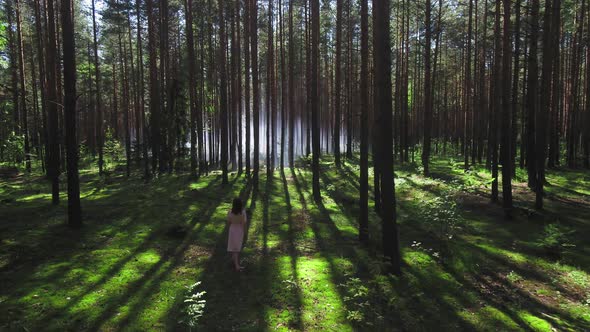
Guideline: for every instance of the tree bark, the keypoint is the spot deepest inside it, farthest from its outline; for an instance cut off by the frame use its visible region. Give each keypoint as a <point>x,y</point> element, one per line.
<point>532,102</point>
<point>315,101</point>
<point>292,88</point>
<point>23,88</point>
<point>154,86</point>
<point>427,92</point>
<point>52,101</point>
<point>338,83</point>
<point>190,42</point>
<point>223,94</point>
<point>69,54</point>
<point>364,153</point>
<point>505,109</point>
<point>255,87</point>
<point>383,98</point>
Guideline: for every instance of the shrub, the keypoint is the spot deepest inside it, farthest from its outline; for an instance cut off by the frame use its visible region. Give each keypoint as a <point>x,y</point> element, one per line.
<point>194,305</point>
<point>555,239</point>
<point>113,150</point>
<point>13,148</point>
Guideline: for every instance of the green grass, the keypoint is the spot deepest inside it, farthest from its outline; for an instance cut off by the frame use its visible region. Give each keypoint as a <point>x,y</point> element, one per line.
<point>465,267</point>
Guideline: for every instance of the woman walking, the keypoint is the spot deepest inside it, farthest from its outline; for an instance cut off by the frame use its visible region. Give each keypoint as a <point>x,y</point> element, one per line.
<point>236,218</point>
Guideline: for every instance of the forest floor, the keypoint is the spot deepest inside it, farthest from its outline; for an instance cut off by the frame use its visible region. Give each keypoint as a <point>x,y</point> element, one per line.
<point>128,268</point>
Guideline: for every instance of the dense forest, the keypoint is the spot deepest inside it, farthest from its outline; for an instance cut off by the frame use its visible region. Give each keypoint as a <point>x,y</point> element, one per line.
<point>481,107</point>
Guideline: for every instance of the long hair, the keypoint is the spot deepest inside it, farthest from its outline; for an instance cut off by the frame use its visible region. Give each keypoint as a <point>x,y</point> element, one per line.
<point>237,206</point>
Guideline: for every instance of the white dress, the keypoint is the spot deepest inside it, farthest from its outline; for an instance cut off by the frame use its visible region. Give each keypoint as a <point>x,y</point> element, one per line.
<point>237,223</point>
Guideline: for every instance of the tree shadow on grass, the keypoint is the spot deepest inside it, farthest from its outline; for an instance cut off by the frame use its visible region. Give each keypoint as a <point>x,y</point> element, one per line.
<point>331,243</point>
<point>139,290</point>
<point>493,287</point>
<point>69,250</point>
<point>441,291</point>
<point>232,297</point>
<point>64,251</point>
<point>247,300</point>
<point>33,281</point>
<point>290,238</point>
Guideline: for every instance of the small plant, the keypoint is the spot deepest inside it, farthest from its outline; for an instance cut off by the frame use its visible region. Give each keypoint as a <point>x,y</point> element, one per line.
<point>580,278</point>
<point>441,218</point>
<point>194,305</point>
<point>513,277</point>
<point>357,300</point>
<point>555,239</point>
<point>13,148</point>
<point>113,150</point>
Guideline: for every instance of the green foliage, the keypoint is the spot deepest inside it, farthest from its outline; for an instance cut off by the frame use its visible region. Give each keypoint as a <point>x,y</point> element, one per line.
<point>113,150</point>
<point>513,277</point>
<point>194,305</point>
<point>441,217</point>
<point>314,276</point>
<point>555,239</point>
<point>358,299</point>
<point>579,278</point>
<point>14,148</point>
<point>3,43</point>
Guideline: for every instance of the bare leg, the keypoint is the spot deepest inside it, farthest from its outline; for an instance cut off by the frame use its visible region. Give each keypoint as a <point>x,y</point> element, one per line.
<point>235,259</point>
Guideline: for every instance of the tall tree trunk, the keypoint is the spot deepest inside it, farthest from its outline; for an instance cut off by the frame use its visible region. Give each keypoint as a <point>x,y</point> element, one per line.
<point>292,88</point>
<point>349,83</point>
<point>337,83</point>
<point>23,88</point>
<point>99,111</point>
<point>364,153</point>
<point>427,92</point>
<point>69,54</point>
<point>515,81</point>
<point>154,86</point>
<point>52,102</point>
<point>308,115</point>
<point>556,91</point>
<point>140,88</point>
<point>315,101</point>
<point>382,97</point>
<point>134,84</point>
<point>223,93</point>
<point>532,102</point>
<point>255,87</point>
<point>190,42</point>
<point>504,109</point>
<point>586,125</point>
<point>496,107</point>
<point>283,87</point>
<point>270,95</point>
<point>42,79</point>
<point>125,104</point>
<point>239,86</point>
<point>541,120</point>
<point>573,133</point>
<point>14,68</point>
<point>233,86</point>
<point>247,80</point>
<point>468,94</point>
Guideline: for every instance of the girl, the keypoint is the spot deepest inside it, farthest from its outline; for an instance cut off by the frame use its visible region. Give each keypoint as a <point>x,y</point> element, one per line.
<point>236,218</point>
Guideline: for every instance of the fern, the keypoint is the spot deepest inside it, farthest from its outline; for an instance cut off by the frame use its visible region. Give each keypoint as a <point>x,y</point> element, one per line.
<point>194,305</point>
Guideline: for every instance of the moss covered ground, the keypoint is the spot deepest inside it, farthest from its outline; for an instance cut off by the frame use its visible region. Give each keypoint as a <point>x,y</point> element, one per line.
<point>142,244</point>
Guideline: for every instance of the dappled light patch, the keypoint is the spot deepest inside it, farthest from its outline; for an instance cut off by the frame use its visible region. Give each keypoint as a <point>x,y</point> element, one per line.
<point>534,322</point>
<point>304,269</point>
<point>489,318</point>
<point>322,306</point>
